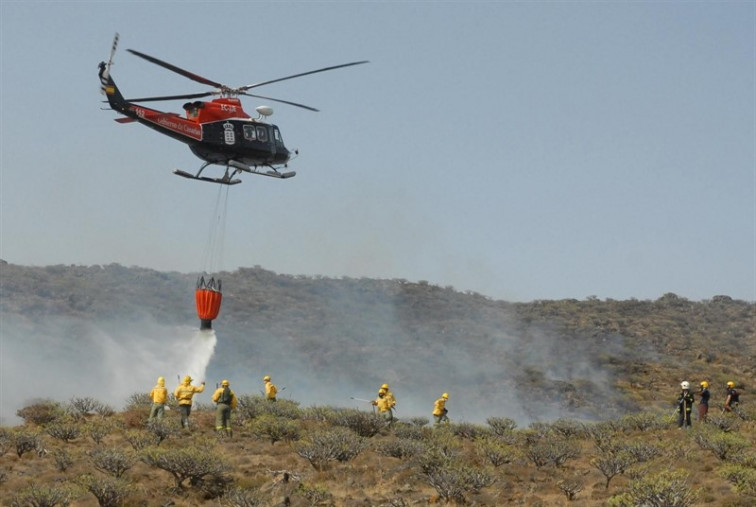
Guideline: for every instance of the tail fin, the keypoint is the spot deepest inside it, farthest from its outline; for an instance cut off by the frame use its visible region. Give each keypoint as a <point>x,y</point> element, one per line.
<point>107,85</point>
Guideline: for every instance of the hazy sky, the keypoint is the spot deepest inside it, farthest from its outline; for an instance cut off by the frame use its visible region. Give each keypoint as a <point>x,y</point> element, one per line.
<point>523,150</point>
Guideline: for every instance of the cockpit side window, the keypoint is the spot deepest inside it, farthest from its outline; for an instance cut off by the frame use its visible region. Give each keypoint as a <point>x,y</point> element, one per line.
<point>249,132</point>
<point>277,135</point>
<point>262,134</point>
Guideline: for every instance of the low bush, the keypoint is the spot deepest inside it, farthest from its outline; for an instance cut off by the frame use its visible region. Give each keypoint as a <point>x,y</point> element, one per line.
<point>112,461</point>
<point>325,446</point>
<point>40,412</point>
<point>42,495</point>
<point>109,491</point>
<point>185,463</point>
<point>667,489</point>
<point>275,429</point>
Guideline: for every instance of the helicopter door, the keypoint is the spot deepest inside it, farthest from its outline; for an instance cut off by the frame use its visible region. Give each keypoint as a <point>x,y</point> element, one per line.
<point>263,137</point>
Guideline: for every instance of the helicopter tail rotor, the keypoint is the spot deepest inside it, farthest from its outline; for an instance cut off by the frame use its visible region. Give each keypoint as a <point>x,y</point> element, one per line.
<point>106,73</point>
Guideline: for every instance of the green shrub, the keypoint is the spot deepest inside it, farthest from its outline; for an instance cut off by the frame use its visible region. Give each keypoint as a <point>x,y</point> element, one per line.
<point>322,447</point>
<point>162,429</point>
<point>140,439</point>
<point>501,425</point>
<point>62,459</point>
<point>365,424</point>
<point>744,478</point>
<point>316,494</point>
<point>99,429</point>
<point>64,428</point>
<point>453,480</point>
<point>41,495</point>
<point>109,491</point>
<point>26,441</point>
<point>40,412</point>
<point>723,445</point>
<point>275,429</point>
<point>184,463</point>
<point>496,451</point>
<point>112,461</point>
<point>243,497</point>
<point>400,448</point>
<point>667,489</point>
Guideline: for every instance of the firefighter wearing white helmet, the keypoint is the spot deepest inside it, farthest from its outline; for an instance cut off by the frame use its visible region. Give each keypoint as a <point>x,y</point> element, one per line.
<point>270,389</point>
<point>684,405</point>
<point>703,402</point>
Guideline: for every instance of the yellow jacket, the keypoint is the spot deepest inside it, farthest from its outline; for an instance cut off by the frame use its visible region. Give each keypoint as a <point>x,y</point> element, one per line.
<point>159,394</point>
<point>391,398</point>
<point>185,391</point>
<point>383,404</point>
<point>219,391</point>
<point>270,390</point>
<point>439,406</point>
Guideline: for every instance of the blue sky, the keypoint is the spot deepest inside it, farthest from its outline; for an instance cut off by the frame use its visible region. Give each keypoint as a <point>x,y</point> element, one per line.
<point>523,150</point>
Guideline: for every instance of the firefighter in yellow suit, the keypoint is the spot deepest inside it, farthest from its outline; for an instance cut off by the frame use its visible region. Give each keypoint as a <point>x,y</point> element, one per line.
<point>270,389</point>
<point>389,396</point>
<point>159,397</point>
<point>225,401</point>
<point>383,404</point>
<point>184,393</point>
<point>439,409</point>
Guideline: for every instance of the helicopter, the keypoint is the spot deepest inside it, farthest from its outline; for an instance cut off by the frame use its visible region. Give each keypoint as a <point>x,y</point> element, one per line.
<point>218,131</point>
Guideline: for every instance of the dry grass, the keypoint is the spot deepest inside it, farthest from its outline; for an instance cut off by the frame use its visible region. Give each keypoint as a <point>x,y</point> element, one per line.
<point>257,471</point>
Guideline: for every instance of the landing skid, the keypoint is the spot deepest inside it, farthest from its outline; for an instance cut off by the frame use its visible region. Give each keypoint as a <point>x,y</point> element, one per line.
<point>223,181</point>
<point>228,178</point>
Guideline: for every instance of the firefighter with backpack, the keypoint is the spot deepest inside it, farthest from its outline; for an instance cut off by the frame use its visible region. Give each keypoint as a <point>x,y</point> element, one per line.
<point>733,398</point>
<point>225,400</point>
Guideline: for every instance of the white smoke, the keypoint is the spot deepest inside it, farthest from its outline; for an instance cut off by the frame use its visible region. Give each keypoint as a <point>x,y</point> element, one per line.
<point>107,361</point>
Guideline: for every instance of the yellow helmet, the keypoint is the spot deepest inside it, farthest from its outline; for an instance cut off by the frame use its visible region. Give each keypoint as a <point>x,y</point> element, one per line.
<point>730,384</point>
<point>266,378</point>
<point>224,382</point>
<point>381,391</point>
<point>705,384</point>
<point>445,396</point>
<point>161,381</point>
<point>187,379</point>
<point>384,386</point>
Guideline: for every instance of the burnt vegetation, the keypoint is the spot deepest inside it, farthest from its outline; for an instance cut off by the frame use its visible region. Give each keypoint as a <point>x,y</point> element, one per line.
<point>608,371</point>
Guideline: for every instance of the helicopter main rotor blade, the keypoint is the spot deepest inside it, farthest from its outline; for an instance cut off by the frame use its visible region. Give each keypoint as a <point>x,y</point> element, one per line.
<point>173,97</point>
<point>281,101</point>
<point>255,85</point>
<point>177,70</point>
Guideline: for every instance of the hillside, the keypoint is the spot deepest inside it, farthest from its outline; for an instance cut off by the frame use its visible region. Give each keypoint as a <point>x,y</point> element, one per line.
<point>552,402</point>
<point>329,340</point>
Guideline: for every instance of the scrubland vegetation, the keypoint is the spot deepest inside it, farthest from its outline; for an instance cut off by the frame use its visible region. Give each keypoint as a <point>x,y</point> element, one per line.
<point>84,453</point>
<point>594,382</point>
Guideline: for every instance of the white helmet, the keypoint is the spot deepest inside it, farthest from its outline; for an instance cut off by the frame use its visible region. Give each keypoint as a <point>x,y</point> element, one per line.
<point>685,385</point>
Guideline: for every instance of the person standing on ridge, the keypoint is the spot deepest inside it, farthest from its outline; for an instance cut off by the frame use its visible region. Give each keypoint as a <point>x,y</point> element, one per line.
<point>184,394</point>
<point>733,397</point>
<point>225,401</point>
<point>439,409</point>
<point>685,405</point>
<point>159,397</point>
<point>270,389</point>
<point>703,403</point>
<point>389,396</point>
<point>383,404</point>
